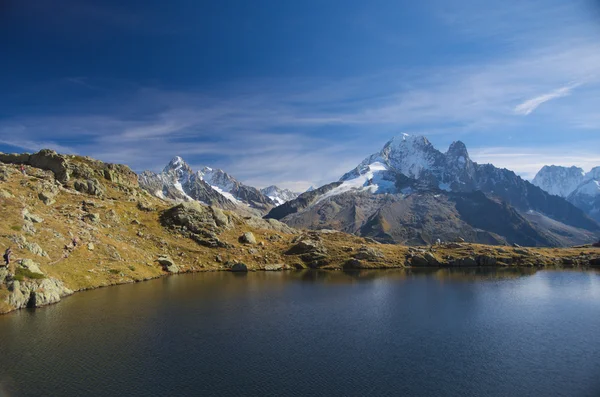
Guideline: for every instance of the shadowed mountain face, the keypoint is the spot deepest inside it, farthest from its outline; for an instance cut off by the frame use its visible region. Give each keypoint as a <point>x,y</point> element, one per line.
<point>412,193</point>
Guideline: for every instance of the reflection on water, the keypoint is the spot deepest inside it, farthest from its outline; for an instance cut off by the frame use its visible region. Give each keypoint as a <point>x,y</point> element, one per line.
<point>456,332</point>
<point>456,274</point>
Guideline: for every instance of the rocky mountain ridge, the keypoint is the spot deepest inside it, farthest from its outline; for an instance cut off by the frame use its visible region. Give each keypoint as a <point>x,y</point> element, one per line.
<point>211,186</point>
<point>394,194</point>
<point>574,184</point>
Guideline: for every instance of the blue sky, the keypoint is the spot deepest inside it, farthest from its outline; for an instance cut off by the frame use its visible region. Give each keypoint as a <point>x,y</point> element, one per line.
<point>298,92</point>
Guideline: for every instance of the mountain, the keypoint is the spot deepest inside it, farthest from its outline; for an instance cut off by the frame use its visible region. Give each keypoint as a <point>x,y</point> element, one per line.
<point>178,181</point>
<point>559,181</point>
<point>573,183</point>
<point>277,195</point>
<point>410,192</point>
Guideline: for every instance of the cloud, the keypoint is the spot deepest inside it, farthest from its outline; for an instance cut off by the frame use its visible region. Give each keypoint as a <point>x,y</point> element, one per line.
<point>528,161</point>
<point>530,105</point>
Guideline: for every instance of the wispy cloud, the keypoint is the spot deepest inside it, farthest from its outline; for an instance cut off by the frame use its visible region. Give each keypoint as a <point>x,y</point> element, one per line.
<point>527,161</point>
<point>530,105</point>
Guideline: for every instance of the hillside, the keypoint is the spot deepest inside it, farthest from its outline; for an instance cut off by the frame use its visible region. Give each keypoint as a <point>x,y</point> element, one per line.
<point>76,223</point>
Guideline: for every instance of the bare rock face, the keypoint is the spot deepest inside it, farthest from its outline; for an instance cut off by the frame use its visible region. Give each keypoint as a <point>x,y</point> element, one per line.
<point>120,174</point>
<point>36,293</point>
<point>191,215</point>
<point>91,186</point>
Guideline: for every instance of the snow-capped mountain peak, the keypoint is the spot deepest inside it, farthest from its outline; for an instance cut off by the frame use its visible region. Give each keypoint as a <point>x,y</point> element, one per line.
<point>277,195</point>
<point>558,180</point>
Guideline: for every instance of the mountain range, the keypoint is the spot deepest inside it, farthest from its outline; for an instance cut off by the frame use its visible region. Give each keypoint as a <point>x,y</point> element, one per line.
<point>412,193</point>
<point>574,184</point>
<point>179,182</point>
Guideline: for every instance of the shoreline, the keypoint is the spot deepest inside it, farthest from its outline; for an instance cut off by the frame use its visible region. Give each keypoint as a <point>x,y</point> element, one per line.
<point>328,269</point>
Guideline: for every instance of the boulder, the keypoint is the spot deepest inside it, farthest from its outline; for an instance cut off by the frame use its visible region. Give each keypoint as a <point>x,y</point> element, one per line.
<point>49,160</point>
<point>47,197</point>
<point>239,268</point>
<point>219,216</point>
<point>368,254</point>
<point>90,246</point>
<point>91,186</point>
<point>121,175</point>
<point>418,261</point>
<point>31,266</point>
<point>167,263</point>
<point>192,215</point>
<point>274,267</point>
<point>352,264</point>
<point>27,216</point>
<point>145,206</point>
<point>247,238</point>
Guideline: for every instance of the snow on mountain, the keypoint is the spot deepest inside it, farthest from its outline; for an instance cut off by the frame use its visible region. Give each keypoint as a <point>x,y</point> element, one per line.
<point>178,181</point>
<point>416,158</point>
<point>558,180</point>
<point>579,188</point>
<point>277,195</point>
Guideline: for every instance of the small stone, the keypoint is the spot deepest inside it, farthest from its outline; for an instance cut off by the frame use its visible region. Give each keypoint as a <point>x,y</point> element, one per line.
<point>90,246</point>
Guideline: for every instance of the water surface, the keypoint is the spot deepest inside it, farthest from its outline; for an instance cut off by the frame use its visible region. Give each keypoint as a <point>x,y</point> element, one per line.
<point>434,333</point>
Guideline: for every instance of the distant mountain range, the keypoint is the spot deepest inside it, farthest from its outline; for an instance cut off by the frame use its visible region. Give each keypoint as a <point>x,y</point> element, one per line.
<point>412,193</point>
<point>574,184</point>
<point>210,186</point>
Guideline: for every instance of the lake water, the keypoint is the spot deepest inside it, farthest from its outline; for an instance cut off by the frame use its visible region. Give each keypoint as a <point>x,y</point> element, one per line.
<point>432,333</point>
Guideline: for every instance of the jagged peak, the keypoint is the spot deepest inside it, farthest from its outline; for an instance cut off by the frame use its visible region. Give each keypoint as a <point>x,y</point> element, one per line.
<point>457,150</point>
<point>176,163</point>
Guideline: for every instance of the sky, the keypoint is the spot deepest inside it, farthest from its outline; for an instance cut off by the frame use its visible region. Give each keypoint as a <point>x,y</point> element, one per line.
<point>296,93</point>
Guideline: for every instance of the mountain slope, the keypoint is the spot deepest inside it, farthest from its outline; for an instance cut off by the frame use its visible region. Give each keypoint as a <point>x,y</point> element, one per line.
<point>411,192</point>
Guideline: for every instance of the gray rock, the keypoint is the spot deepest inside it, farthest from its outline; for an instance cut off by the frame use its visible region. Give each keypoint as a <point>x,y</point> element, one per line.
<point>34,248</point>
<point>168,264</point>
<point>91,186</point>
<point>219,216</point>
<point>239,267</point>
<point>36,293</point>
<point>274,267</point>
<point>247,238</point>
<point>90,246</point>
<point>27,216</point>
<point>368,254</point>
<point>31,266</point>
<point>47,197</point>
